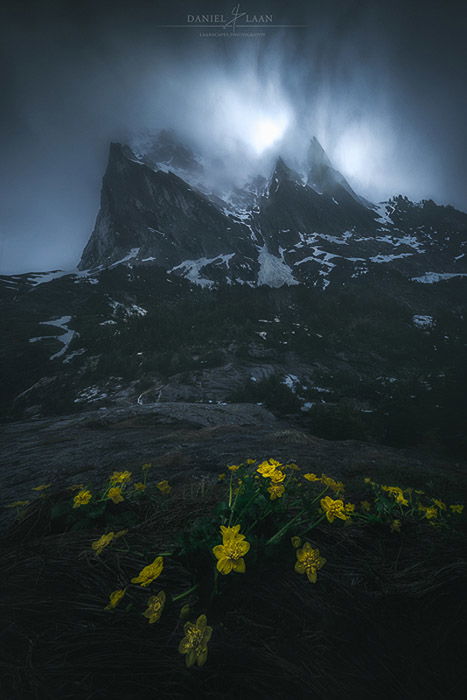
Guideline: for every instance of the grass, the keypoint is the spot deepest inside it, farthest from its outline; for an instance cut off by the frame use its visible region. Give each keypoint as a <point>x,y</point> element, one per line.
<point>385,618</point>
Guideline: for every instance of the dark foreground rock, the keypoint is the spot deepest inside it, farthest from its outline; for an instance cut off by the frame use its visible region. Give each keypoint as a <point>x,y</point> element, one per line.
<point>196,441</point>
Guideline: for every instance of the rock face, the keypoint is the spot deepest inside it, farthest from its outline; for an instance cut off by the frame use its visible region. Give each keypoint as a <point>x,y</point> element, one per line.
<point>155,216</point>
<point>292,292</point>
<point>309,228</point>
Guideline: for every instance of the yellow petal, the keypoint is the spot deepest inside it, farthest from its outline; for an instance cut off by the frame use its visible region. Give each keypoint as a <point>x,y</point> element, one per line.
<point>299,567</point>
<point>239,566</point>
<point>219,551</point>
<point>224,566</point>
<point>202,657</point>
<point>201,622</point>
<point>190,658</point>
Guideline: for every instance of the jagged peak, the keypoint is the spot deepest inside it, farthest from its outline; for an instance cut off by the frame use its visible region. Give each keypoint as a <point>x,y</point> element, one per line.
<point>117,151</point>
<point>282,173</point>
<point>165,150</point>
<point>324,178</point>
<point>317,155</point>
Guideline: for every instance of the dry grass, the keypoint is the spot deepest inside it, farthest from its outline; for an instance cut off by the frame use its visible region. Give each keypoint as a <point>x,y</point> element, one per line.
<point>385,620</point>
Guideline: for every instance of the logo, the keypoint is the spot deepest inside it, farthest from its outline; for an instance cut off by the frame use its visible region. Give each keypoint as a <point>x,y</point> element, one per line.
<point>237,22</point>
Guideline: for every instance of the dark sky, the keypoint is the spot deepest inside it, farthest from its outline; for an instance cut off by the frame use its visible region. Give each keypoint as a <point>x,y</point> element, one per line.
<point>382,85</point>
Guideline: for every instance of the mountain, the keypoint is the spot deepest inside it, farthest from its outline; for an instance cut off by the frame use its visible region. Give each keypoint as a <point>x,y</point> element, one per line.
<point>289,232</point>
<point>292,291</point>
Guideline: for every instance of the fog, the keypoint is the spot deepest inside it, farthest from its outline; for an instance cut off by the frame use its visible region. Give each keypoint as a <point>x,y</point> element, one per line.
<point>381,85</point>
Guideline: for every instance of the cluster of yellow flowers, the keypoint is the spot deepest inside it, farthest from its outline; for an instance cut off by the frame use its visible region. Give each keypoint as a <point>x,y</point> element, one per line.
<point>194,644</point>
<point>270,470</point>
<point>391,505</point>
<point>397,493</point>
<point>117,483</point>
<point>336,486</point>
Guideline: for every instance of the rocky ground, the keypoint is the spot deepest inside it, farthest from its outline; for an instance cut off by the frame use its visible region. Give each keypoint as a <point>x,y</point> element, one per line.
<point>194,442</point>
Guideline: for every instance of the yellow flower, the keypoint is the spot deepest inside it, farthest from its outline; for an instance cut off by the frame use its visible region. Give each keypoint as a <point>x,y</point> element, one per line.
<point>115,598</point>
<point>120,477</point>
<point>311,477</point>
<point>441,505</point>
<point>155,607</point>
<point>150,572</point>
<point>42,487</point>
<point>75,487</point>
<point>120,533</point>
<point>103,541</point>
<point>164,486</point>
<point>397,493</point>
<point>195,642</point>
<point>431,512</point>
<point>367,480</point>
<point>139,486</point>
<point>456,508</point>
<point>277,477</point>
<point>17,504</point>
<point>293,466</point>
<point>115,494</point>
<point>333,509</point>
<point>229,533</point>
<point>309,562</point>
<point>349,508</point>
<point>336,486</point>
<point>222,476</point>
<point>81,498</point>
<point>275,491</point>
<point>146,466</point>
<point>296,541</point>
<point>267,468</point>
<point>395,526</point>
<point>233,467</point>
<point>366,505</point>
<point>251,461</point>
<point>231,552</point>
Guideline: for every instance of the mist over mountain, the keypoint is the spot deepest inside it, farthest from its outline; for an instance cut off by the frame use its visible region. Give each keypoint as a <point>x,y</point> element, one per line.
<point>381,85</point>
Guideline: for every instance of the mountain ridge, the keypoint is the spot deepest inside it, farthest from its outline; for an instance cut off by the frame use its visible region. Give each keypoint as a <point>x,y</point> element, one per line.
<point>351,317</point>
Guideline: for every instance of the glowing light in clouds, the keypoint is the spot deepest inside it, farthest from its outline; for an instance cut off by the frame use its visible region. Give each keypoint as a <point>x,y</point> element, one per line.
<point>254,115</point>
<point>362,153</point>
<point>265,132</point>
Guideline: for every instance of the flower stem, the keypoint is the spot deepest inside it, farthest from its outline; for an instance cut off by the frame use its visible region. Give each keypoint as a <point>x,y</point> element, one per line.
<point>283,530</point>
<point>249,503</point>
<point>314,524</point>
<point>183,595</point>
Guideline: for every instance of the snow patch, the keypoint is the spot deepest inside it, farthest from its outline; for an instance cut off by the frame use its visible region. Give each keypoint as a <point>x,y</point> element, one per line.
<point>292,382</point>
<point>191,268</point>
<point>132,254</point>
<point>43,277</point>
<point>387,258</point>
<point>66,337</point>
<point>422,321</point>
<point>273,271</point>
<point>432,277</point>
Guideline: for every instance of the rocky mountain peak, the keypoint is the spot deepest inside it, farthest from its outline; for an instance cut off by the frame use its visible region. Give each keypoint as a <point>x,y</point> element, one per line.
<point>281,174</point>
<point>166,152</point>
<point>323,177</point>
